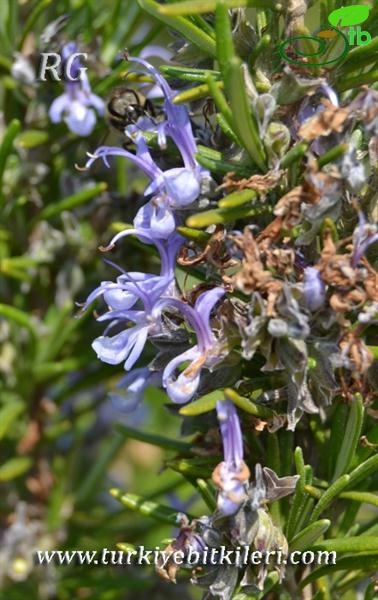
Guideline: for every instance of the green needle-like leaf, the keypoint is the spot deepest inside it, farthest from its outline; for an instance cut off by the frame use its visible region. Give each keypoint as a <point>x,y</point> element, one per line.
<point>8,414</point>
<point>207,493</point>
<point>202,405</point>
<point>153,439</point>
<point>15,467</point>
<point>18,316</point>
<point>331,494</point>
<point>352,434</point>
<point>309,535</point>
<point>223,215</point>
<point>6,147</point>
<point>72,202</point>
<point>147,508</point>
<point>248,406</point>
<point>232,70</point>
<point>199,237</point>
<point>366,561</point>
<point>194,467</point>
<point>196,7</point>
<point>187,29</point>
<point>188,74</point>
<point>237,199</point>
<point>195,93</point>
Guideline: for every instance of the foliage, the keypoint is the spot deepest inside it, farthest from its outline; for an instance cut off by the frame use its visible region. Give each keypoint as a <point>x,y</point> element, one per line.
<point>283,224</point>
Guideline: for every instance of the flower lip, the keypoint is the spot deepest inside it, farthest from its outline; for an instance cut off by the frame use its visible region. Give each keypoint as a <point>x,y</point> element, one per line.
<point>231,475</point>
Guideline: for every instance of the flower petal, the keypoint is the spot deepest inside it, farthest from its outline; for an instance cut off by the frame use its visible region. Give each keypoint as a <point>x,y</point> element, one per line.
<point>156,217</point>
<point>182,186</point>
<point>80,119</point>
<point>183,388</point>
<point>58,107</point>
<point>113,350</point>
<point>130,390</point>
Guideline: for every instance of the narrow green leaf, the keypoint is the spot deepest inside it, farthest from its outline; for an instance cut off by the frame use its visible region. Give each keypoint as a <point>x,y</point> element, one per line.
<point>363,471</point>
<point>125,547</point>
<point>72,202</point>
<point>10,134</point>
<point>147,508</point>
<point>299,500</point>
<point>201,467</point>
<point>187,29</point>
<point>224,215</point>
<point>50,370</point>
<point>367,562</point>
<point>221,166</point>
<point>338,424</point>
<point>199,237</point>
<point>92,481</point>
<point>374,351</point>
<point>153,439</point>
<point>220,100</point>
<point>245,125</point>
<point>362,497</point>
<point>188,74</point>
<point>15,467</point>
<point>232,70</point>
<point>294,154</point>
<point>31,138</point>
<point>237,199</point>
<point>33,16</point>
<point>329,496</point>
<point>332,155</point>
<point>207,493</point>
<point>8,414</point>
<point>20,317</point>
<point>352,434</point>
<point>202,405</point>
<point>248,406</point>
<point>356,80</point>
<point>225,44</point>
<point>196,7</point>
<point>309,535</point>
<point>349,545</point>
<point>227,129</point>
<point>195,93</point>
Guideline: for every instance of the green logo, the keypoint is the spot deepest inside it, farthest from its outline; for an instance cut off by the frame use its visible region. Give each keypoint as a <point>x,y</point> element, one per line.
<point>342,17</point>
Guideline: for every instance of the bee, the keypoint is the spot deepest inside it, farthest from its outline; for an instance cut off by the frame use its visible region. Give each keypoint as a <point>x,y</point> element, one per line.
<point>126,106</point>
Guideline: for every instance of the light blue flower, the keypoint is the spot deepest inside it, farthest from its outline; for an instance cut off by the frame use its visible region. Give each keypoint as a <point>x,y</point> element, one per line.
<point>78,105</point>
<point>314,290</point>
<point>206,353</point>
<point>231,476</point>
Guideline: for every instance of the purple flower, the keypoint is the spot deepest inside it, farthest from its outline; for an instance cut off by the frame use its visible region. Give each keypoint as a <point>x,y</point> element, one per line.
<point>177,125</point>
<point>132,388</point>
<point>130,289</point>
<point>76,105</point>
<point>173,189</point>
<point>231,475</point>
<point>314,291</point>
<point>127,345</point>
<point>364,235</point>
<point>124,294</point>
<point>206,353</point>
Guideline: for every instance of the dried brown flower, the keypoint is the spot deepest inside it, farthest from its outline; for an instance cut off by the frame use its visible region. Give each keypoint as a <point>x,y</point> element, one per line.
<point>330,120</point>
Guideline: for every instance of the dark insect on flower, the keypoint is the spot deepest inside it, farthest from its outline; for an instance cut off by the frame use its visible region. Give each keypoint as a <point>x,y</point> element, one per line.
<point>125,107</point>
